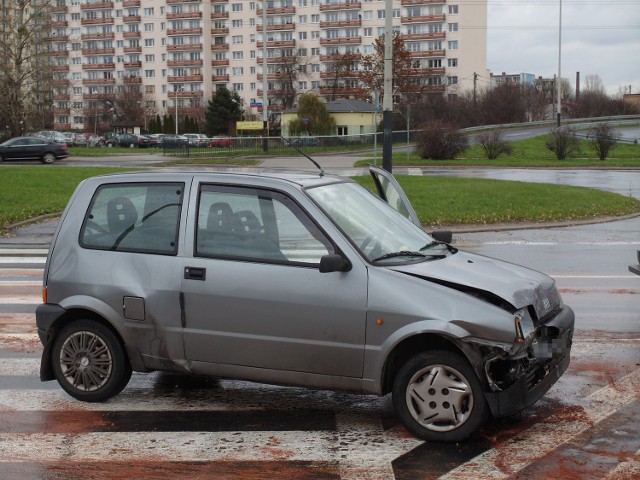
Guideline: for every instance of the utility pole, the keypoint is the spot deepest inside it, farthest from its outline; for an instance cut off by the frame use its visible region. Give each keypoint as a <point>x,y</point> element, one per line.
<point>559,65</point>
<point>387,99</point>
<point>475,87</point>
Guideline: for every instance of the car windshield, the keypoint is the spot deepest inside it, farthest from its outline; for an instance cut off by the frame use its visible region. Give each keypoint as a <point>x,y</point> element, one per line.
<point>380,233</point>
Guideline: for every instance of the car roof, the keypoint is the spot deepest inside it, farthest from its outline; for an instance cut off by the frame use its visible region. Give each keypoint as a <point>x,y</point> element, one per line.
<point>299,179</point>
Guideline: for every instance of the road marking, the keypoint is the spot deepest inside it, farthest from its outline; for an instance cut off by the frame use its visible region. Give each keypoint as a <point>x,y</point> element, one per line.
<point>20,260</point>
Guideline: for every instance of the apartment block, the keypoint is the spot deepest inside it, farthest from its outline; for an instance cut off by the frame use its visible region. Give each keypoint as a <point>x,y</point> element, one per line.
<point>180,51</point>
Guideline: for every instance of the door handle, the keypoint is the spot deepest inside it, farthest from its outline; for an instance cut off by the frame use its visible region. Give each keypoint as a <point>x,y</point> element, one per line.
<point>195,273</point>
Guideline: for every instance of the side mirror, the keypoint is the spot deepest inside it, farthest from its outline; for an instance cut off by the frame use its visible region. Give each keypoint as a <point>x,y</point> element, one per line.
<point>442,236</point>
<point>334,263</point>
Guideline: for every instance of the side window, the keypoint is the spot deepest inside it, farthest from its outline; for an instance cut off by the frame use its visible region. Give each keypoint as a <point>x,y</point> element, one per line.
<point>134,218</point>
<point>261,225</point>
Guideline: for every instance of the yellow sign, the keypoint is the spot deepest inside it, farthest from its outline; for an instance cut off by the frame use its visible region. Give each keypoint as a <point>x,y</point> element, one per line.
<point>249,126</point>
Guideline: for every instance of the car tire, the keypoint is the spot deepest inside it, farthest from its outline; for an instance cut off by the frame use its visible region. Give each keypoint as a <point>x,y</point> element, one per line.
<point>438,397</point>
<point>89,361</point>
<point>48,158</point>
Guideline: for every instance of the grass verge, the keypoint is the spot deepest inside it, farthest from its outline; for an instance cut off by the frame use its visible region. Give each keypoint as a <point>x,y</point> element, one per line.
<point>29,191</point>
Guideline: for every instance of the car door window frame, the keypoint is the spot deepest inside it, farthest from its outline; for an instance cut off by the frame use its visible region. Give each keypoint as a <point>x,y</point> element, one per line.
<point>269,237</point>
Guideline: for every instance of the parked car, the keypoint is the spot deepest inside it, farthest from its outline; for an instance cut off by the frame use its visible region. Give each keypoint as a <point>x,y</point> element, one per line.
<point>155,139</point>
<point>52,135</point>
<point>130,140</point>
<point>297,279</point>
<point>32,148</point>
<point>197,139</point>
<point>635,268</point>
<point>305,141</point>
<point>221,141</point>
<point>174,141</point>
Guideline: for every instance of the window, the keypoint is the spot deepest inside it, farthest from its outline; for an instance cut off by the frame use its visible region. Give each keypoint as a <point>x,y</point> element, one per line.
<point>149,73</point>
<point>238,87</point>
<point>453,27</point>
<point>452,80</point>
<point>236,7</point>
<point>453,9</point>
<point>238,70</point>
<point>148,12</point>
<point>256,224</point>
<point>302,35</point>
<point>367,31</point>
<point>236,39</point>
<point>452,45</point>
<point>149,42</point>
<point>236,23</point>
<point>302,19</point>
<point>452,62</point>
<point>134,218</point>
<point>237,55</point>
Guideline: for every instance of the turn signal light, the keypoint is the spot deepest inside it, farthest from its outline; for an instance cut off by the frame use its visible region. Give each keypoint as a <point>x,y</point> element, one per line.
<point>44,294</point>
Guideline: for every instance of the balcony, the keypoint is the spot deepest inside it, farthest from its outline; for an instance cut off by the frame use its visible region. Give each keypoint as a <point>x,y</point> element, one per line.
<point>219,46</point>
<point>185,63</point>
<point>220,31</point>
<point>273,93</point>
<point>276,60</point>
<point>220,63</point>
<point>174,16</point>
<point>97,96</point>
<point>98,51</point>
<point>427,53</point>
<point>217,15</point>
<point>97,36</point>
<point>61,98</point>
<point>347,74</point>
<point>354,57</point>
<point>340,40</point>
<point>130,3</point>
<point>422,36</point>
<point>341,23</point>
<point>96,21</point>
<point>341,91</point>
<point>220,78</point>
<point>132,49</point>
<point>184,47</point>
<point>132,64</point>
<point>58,53</point>
<point>60,24</point>
<point>278,44</point>
<point>423,19</point>
<point>273,76</point>
<point>426,71</point>
<point>277,11</point>
<point>59,9</point>
<point>277,27</point>
<point>99,81</point>
<point>408,3</point>
<point>185,94</point>
<point>60,68</point>
<point>98,66</point>
<point>132,34</point>
<point>184,78</point>
<point>173,2</point>
<point>185,31</point>
<point>329,7</point>
<point>132,80</point>
<point>95,6</point>
<point>131,18</point>
<point>61,111</point>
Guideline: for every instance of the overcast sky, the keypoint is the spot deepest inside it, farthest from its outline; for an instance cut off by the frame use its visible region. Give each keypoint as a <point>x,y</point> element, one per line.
<point>599,37</point>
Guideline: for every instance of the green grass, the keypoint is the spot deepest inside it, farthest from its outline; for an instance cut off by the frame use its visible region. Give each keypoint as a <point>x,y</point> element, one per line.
<point>528,153</point>
<point>30,191</point>
<point>450,201</point>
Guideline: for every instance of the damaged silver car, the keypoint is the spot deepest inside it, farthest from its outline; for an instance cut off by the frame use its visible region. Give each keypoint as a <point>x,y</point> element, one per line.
<point>294,279</point>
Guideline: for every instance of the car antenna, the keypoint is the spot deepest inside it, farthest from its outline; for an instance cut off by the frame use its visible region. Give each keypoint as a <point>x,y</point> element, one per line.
<point>304,154</point>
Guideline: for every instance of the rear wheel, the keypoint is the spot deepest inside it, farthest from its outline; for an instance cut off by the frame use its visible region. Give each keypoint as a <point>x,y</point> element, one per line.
<point>89,361</point>
<point>48,158</point>
<point>438,397</point>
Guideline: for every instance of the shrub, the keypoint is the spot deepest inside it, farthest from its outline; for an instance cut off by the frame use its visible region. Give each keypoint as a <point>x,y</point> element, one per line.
<point>602,139</point>
<point>493,145</point>
<point>440,141</point>
<point>563,142</point>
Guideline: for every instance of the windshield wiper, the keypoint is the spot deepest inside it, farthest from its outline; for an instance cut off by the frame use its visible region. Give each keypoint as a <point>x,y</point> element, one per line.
<point>405,253</point>
<point>436,243</point>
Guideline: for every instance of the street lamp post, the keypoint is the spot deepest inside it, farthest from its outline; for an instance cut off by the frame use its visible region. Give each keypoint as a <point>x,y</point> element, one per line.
<point>177,89</point>
<point>559,85</point>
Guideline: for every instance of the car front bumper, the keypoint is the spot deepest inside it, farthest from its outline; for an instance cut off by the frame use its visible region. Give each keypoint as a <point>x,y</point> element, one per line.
<point>550,360</point>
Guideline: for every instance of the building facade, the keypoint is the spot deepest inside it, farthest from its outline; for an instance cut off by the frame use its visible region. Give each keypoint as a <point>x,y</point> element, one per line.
<point>171,55</point>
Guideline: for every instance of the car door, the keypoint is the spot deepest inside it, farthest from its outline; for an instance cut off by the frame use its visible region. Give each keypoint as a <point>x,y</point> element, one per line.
<point>390,191</point>
<point>254,295</point>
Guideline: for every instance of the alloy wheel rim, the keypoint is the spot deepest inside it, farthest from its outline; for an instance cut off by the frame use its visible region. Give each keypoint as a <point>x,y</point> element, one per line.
<point>86,361</point>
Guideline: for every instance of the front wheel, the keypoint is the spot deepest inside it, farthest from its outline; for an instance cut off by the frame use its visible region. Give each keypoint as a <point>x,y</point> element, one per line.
<point>89,361</point>
<point>438,397</point>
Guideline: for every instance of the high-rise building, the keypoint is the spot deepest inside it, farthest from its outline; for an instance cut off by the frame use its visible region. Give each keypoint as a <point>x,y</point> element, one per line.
<point>155,53</point>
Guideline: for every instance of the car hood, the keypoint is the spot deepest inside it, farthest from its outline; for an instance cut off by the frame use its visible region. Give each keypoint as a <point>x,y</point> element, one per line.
<point>489,278</point>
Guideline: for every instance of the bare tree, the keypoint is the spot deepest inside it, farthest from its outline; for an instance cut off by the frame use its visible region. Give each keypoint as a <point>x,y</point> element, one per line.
<point>25,48</point>
<point>341,75</point>
<point>603,138</point>
<point>493,144</point>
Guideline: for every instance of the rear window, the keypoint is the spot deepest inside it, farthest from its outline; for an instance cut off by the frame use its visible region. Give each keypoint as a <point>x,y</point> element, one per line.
<point>134,217</point>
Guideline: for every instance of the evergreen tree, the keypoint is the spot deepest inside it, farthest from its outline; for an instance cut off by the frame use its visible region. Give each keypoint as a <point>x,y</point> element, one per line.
<point>224,108</point>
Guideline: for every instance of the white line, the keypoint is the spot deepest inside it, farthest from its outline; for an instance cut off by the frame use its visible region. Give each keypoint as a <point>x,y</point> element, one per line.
<point>20,283</point>
<point>22,299</point>
<point>6,260</point>
<point>550,433</point>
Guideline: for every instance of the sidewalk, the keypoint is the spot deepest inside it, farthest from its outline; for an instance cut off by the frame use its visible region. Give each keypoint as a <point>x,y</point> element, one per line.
<point>29,237</point>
